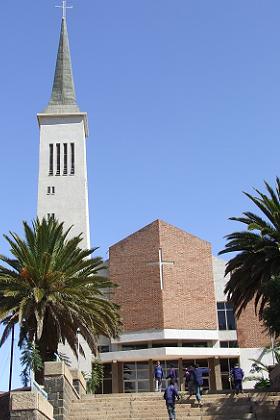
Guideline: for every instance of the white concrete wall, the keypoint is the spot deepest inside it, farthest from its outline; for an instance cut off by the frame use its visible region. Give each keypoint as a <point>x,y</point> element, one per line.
<point>246,363</point>
<point>84,363</point>
<point>220,280</point>
<point>70,202</point>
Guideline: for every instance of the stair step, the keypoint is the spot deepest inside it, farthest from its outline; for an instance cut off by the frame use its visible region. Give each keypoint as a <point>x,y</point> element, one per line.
<point>151,406</point>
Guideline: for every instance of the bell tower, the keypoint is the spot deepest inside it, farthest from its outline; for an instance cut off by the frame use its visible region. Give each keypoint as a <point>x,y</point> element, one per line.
<point>62,189</point>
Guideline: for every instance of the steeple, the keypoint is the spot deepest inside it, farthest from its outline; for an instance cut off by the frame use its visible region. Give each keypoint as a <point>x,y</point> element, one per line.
<point>63,97</point>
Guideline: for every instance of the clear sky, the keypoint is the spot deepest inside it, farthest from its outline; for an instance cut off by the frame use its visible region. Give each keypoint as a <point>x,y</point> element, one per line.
<point>183,99</point>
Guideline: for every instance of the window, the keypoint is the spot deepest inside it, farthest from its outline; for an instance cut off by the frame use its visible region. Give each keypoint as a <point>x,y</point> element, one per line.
<point>50,159</point>
<point>57,159</point>
<point>65,158</point>
<point>72,145</point>
<point>126,347</point>
<point>106,385</point>
<point>229,344</point>
<point>136,377</point>
<point>194,344</point>
<point>166,344</point>
<point>226,366</point>
<point>226,316</point>
<point>103,349</point>
<point>51,190</point>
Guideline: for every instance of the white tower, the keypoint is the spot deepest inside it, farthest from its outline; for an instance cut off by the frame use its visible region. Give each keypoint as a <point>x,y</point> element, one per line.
<point>62,190</point>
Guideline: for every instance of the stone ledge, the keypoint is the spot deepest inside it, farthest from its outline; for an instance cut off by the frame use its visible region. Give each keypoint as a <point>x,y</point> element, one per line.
<point>77,376</point>
<point>28,401</point>
<point>58,369</point>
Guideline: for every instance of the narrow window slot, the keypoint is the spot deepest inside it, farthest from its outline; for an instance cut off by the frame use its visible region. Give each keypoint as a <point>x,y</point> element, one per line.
<point>72,158</point>
<point>65,165</point>
<point>50,190</point>
<point>50,159</point>
<point>57,159</point>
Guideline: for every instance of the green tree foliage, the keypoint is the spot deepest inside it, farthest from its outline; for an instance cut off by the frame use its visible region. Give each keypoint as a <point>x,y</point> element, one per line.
<point>257,255</point>
<point>271,313</point>
<point>95,378</point>
<point>52,287</point>
<point>31,361</point>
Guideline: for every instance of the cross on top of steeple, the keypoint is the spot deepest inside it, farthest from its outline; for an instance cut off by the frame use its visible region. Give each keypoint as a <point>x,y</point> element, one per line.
<point>64,8</point>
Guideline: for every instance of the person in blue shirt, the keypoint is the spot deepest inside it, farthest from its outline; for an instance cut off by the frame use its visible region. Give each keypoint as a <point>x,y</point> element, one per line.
<point>170,396</point>
<point>158,375</point>
<point>172,374</point>
<point>198,373</point>
<point>237,375</point>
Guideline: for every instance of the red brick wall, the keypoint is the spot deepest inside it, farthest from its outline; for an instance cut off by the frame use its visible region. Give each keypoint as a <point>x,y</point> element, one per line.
<point>187,300</point>
<point>250,331</point>
<point>139,288</point>
<point>188,294</point>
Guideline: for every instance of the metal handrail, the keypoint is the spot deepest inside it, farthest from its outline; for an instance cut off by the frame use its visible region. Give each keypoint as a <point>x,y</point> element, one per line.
<point>37,388</point>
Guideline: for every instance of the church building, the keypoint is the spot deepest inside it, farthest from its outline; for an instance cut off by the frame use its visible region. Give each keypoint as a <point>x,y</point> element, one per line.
<point>171,294</point>
<point>171,287</point>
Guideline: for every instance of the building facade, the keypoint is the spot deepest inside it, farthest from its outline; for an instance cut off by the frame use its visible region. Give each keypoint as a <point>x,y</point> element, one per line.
<point>174,310</point>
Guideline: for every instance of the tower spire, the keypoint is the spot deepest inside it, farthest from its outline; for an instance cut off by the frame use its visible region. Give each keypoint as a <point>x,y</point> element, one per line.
<point>63,97</point>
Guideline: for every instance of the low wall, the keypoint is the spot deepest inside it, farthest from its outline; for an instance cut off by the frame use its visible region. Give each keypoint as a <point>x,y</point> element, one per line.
<point>29,406</point>
<point>62,386</point>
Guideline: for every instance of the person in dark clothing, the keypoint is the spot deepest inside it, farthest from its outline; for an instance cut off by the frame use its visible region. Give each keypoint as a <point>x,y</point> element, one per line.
<point>189,380</point>
<point>198,373</point>
<point>158,375</point>
<point>170,395</point>
<point>237,375</point>
<point>172,375</point>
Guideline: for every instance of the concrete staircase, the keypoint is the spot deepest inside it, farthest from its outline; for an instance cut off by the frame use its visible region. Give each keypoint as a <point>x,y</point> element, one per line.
<point>151,406</point>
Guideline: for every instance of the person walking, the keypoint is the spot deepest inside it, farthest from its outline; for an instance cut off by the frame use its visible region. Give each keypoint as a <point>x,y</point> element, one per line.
<point>172,375</point>
<point>198,373</point>
<point>170,396</point>
<point>237,375</point>
<point>189,380</point>
<point>158,375</point>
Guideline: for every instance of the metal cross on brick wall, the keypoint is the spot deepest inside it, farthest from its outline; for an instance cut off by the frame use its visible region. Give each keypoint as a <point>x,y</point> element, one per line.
<point>161,263</point>
<point>64,8</point>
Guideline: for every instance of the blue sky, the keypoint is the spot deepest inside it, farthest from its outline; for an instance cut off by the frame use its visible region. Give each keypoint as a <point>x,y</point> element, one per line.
<point>183,105</point>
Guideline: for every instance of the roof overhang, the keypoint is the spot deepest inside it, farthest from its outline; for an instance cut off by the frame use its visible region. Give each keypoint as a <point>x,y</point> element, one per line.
<point>44,115</point>
<point>169,353</point>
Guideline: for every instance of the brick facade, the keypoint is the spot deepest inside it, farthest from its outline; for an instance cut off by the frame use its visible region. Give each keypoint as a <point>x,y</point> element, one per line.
<point>188,294</point>
<point>250,331</point>
<point>187,300</point>
<point>139,287</point>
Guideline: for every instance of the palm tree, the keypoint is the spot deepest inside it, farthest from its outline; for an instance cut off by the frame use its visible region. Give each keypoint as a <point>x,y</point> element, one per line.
<point>257,250</point>
<point>52,288</point>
